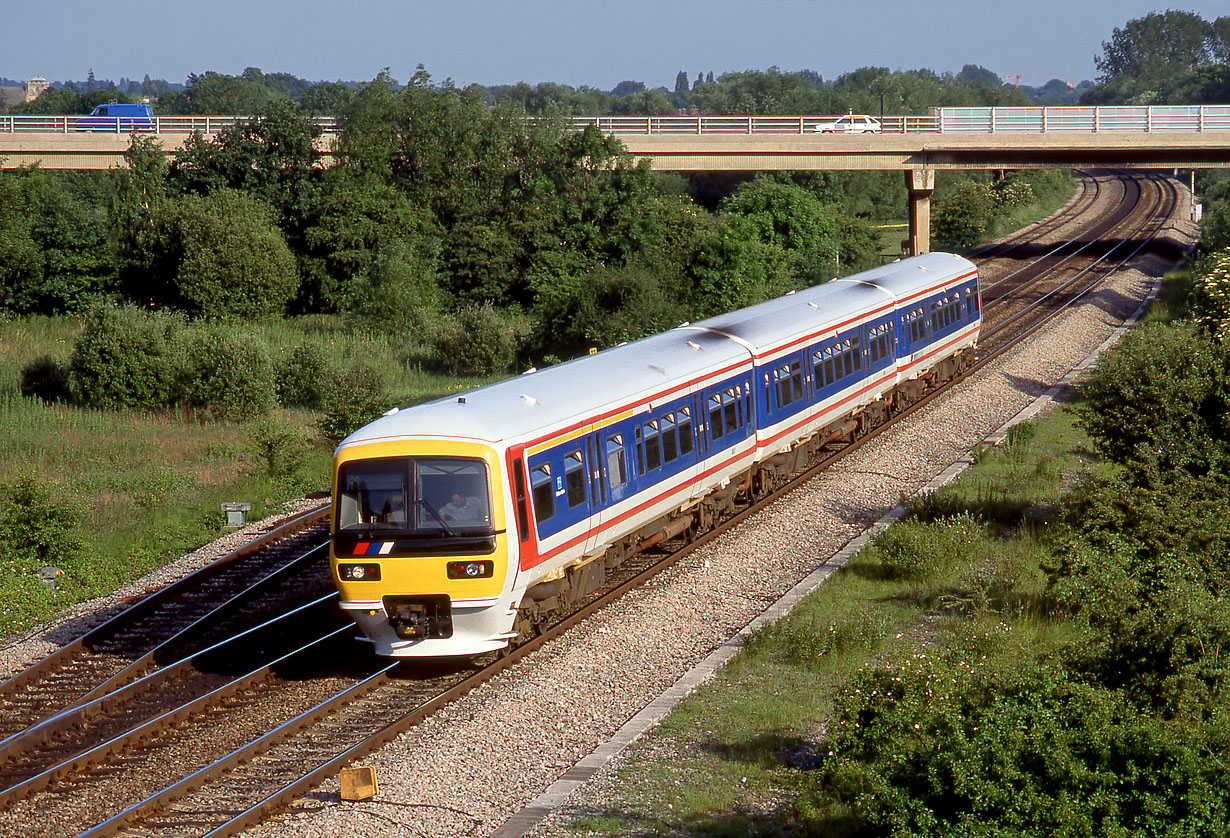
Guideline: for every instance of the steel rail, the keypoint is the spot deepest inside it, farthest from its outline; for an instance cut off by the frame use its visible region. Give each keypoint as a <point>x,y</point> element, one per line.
<point>117,705</point>
<point>139,612</point>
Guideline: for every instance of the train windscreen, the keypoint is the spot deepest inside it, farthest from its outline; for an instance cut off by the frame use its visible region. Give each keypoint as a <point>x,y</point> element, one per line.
<point>424,496</point>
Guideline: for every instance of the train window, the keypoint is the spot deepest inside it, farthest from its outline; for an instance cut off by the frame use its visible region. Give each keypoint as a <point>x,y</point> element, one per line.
<point>747,400</point>
<point>685,431</point>
<point>856,353</point>
<point>640,450</point>
<point>873,348</point>
<point>616,468</point>
<point>785,395</point>
<point>574,478</point>
<point>715,417</point>
<point>767,391</point>
<point>653,446</point>
<point>372,495</point>
<point>670,442</point>
<point>523,519</point>
<point>542,492</point>
<point>729,410</point>
<point>796,378</point>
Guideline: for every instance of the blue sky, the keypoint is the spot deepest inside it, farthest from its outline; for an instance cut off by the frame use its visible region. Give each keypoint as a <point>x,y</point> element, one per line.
<point>577,42</point>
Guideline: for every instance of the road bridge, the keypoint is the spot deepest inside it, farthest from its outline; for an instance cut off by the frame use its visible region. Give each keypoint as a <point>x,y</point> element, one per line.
<point>1153,137</point>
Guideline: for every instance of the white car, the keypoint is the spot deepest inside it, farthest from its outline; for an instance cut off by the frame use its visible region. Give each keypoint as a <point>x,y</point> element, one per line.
<point>854,123</point>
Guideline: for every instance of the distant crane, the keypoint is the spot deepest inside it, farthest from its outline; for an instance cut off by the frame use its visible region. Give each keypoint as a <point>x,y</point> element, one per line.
<point>1018,76</point>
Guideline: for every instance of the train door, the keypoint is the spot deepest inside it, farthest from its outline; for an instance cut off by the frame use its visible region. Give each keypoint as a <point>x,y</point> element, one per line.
<point>599,494</point>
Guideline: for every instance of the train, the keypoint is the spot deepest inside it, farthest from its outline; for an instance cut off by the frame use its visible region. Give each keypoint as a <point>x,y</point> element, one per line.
<point>464,523</point>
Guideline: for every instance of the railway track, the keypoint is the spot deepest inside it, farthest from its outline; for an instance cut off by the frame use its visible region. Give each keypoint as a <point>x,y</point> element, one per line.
<point>243,785</point>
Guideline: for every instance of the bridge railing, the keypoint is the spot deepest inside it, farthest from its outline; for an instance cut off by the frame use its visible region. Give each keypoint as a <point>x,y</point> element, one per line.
<point>24,124</point>
<point>710,125</point>
<point>1026,120</point>
<point>1151,119</point>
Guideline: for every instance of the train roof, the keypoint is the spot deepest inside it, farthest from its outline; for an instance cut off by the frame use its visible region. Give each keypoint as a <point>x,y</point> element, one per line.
<point>777,324</point>
<point>659,366</point>
<point>565,394</point>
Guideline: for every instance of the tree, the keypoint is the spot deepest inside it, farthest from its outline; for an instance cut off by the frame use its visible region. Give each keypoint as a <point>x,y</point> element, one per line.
<point>793,219</point>
<point>681,82</point>
<point>1156,47</point>
<point>270,156</point>
<point>234,262</point>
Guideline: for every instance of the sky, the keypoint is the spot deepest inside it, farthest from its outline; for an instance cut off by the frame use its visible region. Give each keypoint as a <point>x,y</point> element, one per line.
<point>573,42</point>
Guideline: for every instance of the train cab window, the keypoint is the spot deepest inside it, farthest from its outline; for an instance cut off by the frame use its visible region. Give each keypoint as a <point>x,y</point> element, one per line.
<point>685,431</point>
<point>653,445</point>
<point>716,428</point>
<point>670,442</point>
<point>542,492</point>
<point>616,468</point>
<point>372,495</point>
<point>415,496</point>
<point>574,478</point>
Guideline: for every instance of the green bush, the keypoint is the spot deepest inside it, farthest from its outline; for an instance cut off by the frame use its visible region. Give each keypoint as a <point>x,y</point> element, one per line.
<point>601,309</point>
<point>959,221</point>
<point>47,379</point>
<point>928,751</point>
<point>302,376</point>
<point>355,396</point>
<point>37,523</point>
<point>1210,299</point>
<point>477,340</point>
<point>235,262</point>
<point>125,357</point>
<point>228,371</point>
<point>280,448</point>
<point>1161,397</point>
<point>916,551</point>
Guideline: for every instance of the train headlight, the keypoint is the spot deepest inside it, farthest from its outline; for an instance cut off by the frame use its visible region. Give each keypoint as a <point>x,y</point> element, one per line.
<point>359,572</point>
<point>471,570</point>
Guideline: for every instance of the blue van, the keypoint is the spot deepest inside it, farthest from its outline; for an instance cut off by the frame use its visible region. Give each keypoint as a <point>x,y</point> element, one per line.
<point>115,117</point>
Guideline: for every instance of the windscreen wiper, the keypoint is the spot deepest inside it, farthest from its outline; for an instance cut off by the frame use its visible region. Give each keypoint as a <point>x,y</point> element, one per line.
<point>438,517</point>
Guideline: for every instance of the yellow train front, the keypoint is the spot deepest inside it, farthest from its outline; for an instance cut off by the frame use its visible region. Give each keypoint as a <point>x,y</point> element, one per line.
<point>420,546</point>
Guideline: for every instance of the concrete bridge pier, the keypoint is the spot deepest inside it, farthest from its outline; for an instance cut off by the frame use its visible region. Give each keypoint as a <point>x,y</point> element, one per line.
<point>920,183</point>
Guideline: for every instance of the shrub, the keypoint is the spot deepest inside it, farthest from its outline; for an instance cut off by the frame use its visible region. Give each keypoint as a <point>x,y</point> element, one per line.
<point>302,376</point>
<point>925,551</point>
<point>927,751</point>
<point>235,262</point>
<point>602,308</point>
<point>477,340</point>
<point>36,522</point>
<point>355,396</point>
<point>1211,294</point>
<point>1160,398</point>
<point>124,357</point>
<point>280,448</point>
<point>959,221</point>
<point>227,371</point>
<point>45,378</point>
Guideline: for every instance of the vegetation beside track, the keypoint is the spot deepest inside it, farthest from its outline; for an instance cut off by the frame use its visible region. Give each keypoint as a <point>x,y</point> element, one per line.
<point>1036,649</point>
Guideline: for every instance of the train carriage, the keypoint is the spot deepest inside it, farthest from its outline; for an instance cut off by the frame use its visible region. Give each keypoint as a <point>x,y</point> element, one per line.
<point>460,523</point>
